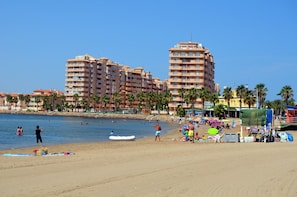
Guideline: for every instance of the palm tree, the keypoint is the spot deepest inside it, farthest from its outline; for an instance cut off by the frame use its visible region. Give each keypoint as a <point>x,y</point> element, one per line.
<point>117,98</point>
<point>9,99</point>
<point>15,100</point>
<point>249,98</point>
<point>261,92</point>
<point>149,97</point>
<point>219,110</point>
<point>94,99</point>
<point>228,95</point>
<point>140,97</point>
<point>27,100</point>
<point>85,104</point>
<point>214,98</point>
<point>76,98</point>
<point>37,101</point>
<point>240,92</point>
<point>181,93</point>
<point>46,104</point>
<point>53,97</point>
<point>191,97</point>
<point>21,98</point>
<point>286,93</point>
<point>203,94</point>
<point>167,97</point>
<point>158,98</point>
<point>105,100</point>
<point>131,99</point>
<point>278,106</point>
<point>62,99</point>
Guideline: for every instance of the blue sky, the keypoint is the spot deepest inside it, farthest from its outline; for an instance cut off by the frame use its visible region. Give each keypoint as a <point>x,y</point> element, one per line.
<point>252,41</point>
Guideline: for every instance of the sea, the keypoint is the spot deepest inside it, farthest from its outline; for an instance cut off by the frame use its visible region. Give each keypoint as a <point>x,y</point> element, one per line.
<point>66,130</point>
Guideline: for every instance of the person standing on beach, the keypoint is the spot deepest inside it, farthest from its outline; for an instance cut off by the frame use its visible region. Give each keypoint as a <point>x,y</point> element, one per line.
<point>38,136</point>
<point>158,131</point>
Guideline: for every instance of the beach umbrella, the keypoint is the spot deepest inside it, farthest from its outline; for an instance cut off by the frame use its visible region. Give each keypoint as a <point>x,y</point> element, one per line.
<point>212,131</point>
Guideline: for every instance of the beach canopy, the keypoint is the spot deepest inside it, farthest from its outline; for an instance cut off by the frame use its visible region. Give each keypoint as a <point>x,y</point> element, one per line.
<point>212,131</point>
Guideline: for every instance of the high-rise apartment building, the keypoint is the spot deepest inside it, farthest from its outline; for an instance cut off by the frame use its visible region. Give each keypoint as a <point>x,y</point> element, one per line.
<point>191,65</point>
<point>86,76</point>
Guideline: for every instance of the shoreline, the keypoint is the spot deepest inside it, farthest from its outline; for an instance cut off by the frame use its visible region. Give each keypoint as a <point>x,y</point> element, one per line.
<point>54,148</point>
<point>163,118</point>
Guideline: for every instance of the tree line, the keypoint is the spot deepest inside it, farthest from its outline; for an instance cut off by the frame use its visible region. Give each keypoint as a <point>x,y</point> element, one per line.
<point>160,100</point>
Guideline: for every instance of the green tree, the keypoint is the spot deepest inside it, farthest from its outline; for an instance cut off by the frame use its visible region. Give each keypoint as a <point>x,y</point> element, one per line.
<point>203,94</point>
<point>249,98</point>
<point>240,92</point>
<point>105,99</point>
<point>180,111</point>
<point>191,97</point>
<point>53,98</point>
<point>181,93</point>
<point>149,97</point>
<point>214,98</point>
<point>27,99</point>
<point>9,99</point>
<point>261,92</point>
<point>117,99</point>
<point>219,111</point>
<point>15,100</point>
<point>140,97</point>
<point>95,99</point>
<point>21,98</point>
<point>286,93</point>
<point>158,98</point>
<point>76,98</point>
<point>37,101</point>
<point>278,106</point>
<point>62,99</point>
<point>228,95</point>
<point>130,99</point>
<point>166,98</point>
<point>46,103</point>
<point>85,104</point>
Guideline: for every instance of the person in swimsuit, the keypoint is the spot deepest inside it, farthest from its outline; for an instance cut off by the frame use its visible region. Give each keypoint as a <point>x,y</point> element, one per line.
<point>38,136</point>
<point>158,131</point>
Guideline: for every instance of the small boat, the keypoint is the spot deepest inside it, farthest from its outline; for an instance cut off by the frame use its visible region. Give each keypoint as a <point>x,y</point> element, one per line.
<point>122,138</point>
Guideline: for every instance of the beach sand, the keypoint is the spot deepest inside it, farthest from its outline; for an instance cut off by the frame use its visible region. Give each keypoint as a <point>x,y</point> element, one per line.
<point>148,168</point>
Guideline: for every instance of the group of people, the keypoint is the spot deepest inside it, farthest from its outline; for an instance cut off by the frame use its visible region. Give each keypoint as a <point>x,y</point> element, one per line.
<point>189,133</point>
<point>38,131</point>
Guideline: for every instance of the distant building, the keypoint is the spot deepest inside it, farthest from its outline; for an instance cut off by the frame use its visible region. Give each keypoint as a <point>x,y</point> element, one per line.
<point>86,76</point>
<point>191,65</point>
<point>34,104</point>
<point>235,102</point>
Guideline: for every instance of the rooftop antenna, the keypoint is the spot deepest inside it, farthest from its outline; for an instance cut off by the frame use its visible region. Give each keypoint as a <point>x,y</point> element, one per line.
<point>191,37</point>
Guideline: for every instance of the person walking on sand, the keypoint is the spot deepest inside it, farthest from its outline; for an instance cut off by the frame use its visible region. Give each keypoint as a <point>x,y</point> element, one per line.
<point>38,136</point>
<point>158,131</point>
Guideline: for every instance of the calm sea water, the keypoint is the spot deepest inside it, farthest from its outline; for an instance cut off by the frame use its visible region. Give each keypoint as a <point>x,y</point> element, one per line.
<point>61,130</point>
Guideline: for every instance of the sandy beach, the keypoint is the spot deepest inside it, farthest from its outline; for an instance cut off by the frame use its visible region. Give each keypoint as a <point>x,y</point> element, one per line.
<point>148,168</point>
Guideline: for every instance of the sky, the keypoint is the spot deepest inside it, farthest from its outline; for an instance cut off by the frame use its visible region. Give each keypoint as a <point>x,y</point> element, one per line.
<point>252,41</point>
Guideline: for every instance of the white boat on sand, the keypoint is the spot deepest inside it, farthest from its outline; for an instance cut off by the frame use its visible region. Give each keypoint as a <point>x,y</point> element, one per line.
<point>122,138</point>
